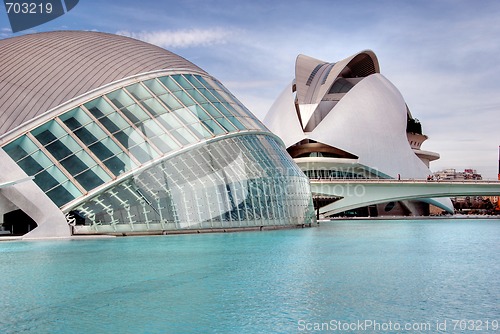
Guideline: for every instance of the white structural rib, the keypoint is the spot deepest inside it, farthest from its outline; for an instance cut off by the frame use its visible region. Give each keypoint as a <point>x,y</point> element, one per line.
<point>304,68</point>
<point>14,182</point>
<point>282,119</point>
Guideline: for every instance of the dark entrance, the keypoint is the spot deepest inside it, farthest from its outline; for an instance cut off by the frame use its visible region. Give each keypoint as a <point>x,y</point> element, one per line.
<point>18,222</point>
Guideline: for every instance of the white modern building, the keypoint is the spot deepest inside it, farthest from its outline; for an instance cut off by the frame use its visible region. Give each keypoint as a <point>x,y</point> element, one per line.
<point>104,134</point>
<point>346,120</point>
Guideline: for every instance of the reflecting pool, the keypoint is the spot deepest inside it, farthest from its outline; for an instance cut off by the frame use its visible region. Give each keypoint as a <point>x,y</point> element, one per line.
<point>285,281</point>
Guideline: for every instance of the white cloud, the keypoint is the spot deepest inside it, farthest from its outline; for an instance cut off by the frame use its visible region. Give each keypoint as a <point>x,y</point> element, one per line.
<point>182,38</point>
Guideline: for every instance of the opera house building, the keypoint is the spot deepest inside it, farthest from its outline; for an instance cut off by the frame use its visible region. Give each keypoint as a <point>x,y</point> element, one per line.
<point>104,134</point>
<point>344,121</point>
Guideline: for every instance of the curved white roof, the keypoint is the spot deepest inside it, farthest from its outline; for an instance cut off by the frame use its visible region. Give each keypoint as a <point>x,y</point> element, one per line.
<point>367,120</point>
<point>43,70</point>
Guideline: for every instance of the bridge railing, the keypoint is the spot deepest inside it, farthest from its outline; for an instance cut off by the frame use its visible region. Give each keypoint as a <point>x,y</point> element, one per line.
<point>374,180</point>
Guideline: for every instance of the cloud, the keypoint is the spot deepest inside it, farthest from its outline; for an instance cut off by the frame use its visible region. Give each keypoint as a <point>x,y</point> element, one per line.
<point>185,38</point>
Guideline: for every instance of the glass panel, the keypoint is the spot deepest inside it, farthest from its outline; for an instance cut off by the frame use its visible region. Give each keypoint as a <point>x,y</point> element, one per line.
<point>203,81</point>
<point>253,124</point>
<point>20,148</point>
<point>161,144</point>
<point>48,132</point>
<point>200,131</point>
<point>193,80</point>
<point>99,107</point>
<point>170,101</point>
<point>135,114</point>
<point>90,134</point>
<point>46,180</point>
<point>151,129</point>
<point>237,123</point>
<point>119,164</point>
<point>101,149</point>
<point>170,142</point>
<point>75,118</point>
<point>64,193</point>
<point>170,84</point>
<point>169,121</point>
<point>222,109</point>
<point>231,109</point>
<point>155,87</point>
<point>120,98</point>
<point>135,138</point>
<point>50,178</point>
<point>34,163</point>
<point>225,124</point>
<point>183,136</point>
<point>92,178</point>
<point>208,95</point>
<point>114,122</point>
<point>123,138</point>
<point>154,107</point>
<point>63,148</point>
<point>181,81</point>
<point>211,110</point>
<point>77,163</point>
<point>217,94</point>
<point>186,116</point>
<point>221,92</point>
<point>214,127</point>
<point>241,110</point>
<point>143,152</point>
<point>199,112</point>
<point>197,96</point>
<point>138,91</point>
<point>184,98</point>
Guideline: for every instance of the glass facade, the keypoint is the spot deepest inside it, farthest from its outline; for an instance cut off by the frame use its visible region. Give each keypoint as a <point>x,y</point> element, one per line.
<point>79,153</point>
<point>239,181</point>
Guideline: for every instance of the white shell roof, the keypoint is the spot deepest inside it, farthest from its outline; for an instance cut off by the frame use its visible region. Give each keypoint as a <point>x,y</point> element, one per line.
<point>41,71</point>
<point>369,121</point>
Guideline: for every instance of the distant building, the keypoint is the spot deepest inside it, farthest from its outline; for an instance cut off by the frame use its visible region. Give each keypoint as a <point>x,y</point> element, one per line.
<point>453,174</point>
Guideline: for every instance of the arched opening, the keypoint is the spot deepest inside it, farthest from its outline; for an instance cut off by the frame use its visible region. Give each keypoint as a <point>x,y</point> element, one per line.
<point>18,222</point>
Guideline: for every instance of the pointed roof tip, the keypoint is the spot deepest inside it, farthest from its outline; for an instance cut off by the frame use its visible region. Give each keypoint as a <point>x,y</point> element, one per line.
<point>301,58</point>
<point>374,58</point>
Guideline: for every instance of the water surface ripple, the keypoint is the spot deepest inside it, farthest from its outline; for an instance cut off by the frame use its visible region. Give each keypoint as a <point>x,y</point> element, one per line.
<point>285,281</point>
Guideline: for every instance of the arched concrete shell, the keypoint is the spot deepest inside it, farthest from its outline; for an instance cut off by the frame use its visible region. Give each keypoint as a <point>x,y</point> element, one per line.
<point>319,86</point>
<point>41,71</point>
<point>370,122</point>
<point>284,122</point>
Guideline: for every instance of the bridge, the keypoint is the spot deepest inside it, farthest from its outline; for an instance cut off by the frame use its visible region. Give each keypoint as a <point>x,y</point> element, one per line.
<point>355,193</point>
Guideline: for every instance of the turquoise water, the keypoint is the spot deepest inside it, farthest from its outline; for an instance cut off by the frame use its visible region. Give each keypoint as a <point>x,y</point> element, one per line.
<point>286,281</point>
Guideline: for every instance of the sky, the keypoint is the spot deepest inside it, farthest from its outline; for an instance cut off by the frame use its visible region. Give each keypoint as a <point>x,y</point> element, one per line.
<point>441,54</point>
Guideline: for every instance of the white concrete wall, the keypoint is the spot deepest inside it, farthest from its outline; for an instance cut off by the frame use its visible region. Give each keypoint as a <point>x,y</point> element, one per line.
<point>28,197</point>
